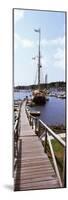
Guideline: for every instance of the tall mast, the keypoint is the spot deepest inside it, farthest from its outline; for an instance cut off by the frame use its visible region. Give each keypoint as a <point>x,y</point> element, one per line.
<point>39,63</point>
<point>38,30</point>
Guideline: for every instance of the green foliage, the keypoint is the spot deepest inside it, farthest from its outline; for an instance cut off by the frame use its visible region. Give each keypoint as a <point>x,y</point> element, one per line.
<point>57,146</point>
<point>59,84</point>
<point>59,154</point>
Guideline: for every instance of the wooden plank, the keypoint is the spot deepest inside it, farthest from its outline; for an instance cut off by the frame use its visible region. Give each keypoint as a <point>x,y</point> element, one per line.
<point>34,180</point>
<point>33,158</point>
<point>39,185</point>
<point>29,163</point>
<point>38,151</point>
<point>36,174</point>
<point>34,170</point>
<point>31,147</point>
<point>35,164</point>
<point>51,186</point>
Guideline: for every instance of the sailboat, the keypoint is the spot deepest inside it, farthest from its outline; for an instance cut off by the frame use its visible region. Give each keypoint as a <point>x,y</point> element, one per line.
<point>39,96</point>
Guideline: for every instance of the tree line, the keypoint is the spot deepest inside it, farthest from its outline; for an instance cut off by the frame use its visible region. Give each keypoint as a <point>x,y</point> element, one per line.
<point>58,84</point>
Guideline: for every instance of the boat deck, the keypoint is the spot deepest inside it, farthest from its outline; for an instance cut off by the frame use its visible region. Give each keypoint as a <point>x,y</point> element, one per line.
<point>34,170</point>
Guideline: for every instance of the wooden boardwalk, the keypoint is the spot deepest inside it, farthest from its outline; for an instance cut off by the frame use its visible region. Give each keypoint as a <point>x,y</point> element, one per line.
<point>34,170</point>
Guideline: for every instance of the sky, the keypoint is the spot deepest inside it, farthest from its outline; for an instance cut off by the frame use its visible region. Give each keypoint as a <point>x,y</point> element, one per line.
<point>52,46</point>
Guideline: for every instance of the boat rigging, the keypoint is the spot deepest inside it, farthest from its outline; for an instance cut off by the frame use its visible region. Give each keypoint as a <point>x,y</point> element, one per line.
<point>38,95</point>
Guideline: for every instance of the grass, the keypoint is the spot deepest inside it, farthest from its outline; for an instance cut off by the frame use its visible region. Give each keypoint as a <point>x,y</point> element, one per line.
<point>57,147</point>
<point>59,154</point>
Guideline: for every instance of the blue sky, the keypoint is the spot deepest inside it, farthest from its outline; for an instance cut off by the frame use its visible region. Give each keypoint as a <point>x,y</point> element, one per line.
<point>52,26</point>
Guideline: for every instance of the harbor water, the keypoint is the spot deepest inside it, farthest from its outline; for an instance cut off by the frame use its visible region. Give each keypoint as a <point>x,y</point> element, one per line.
<point>52,113</point>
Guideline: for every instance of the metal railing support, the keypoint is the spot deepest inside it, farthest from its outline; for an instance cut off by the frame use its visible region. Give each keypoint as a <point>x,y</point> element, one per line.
<point>45,142</point>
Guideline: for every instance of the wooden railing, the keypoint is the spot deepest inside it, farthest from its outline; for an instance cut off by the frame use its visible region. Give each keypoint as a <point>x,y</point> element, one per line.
<point>36,124</point>
<point>16,132</point>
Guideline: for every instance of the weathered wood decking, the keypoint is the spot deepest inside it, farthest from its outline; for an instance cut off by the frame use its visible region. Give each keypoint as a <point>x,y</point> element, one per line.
<point>34,170</point>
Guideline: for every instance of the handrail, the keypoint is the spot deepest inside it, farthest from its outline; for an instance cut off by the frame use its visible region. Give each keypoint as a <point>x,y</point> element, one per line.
<point>62,142</point>
<point>15,138</point>
<point>47,133</point>
<point>57,137</point>
<point>30,116</point>
<point>15,125</point>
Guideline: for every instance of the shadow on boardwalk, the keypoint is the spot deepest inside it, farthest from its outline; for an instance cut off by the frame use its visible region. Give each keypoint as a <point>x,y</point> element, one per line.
<point>18,173</point>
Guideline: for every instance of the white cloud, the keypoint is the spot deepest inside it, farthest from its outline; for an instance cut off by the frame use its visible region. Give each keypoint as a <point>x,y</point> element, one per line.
<point>18,14</point>
<point>16,41</point>
<point>59,58</point>
<point>59,54</point>
<point>55,51</point>
<point>25,43</point>
<point>16,38</point>
<point>53,42</point>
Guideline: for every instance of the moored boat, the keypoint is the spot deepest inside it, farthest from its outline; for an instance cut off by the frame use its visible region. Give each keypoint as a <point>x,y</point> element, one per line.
<point>39,97</point>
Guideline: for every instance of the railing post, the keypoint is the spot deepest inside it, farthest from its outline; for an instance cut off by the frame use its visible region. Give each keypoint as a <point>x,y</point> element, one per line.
<point>38,128</point>
<point>30,120</point>
<point>64,168</point>
<point>19,125</point>
<point>45,142</point>
<point>54,160</point>
<point>35,124</point>
<point>32,123</point>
